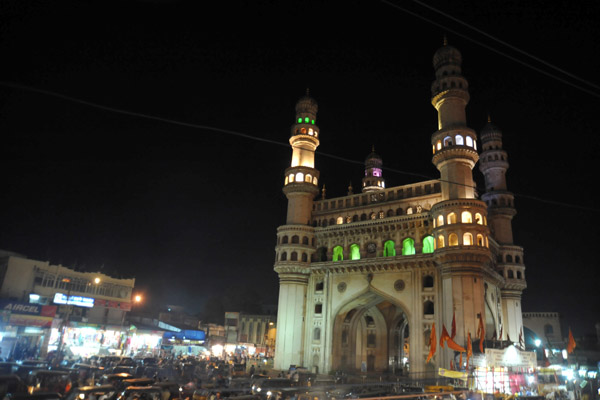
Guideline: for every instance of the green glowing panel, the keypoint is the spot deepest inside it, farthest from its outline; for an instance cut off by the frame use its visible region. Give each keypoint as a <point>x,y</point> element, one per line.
<point>306,119</point>
<point>408,247</point>
<point>428,245</point>
<point>299,120</point>
<point>389,249</point>
<point>354,252</point>
<point>338,253</point>
<point>312,122</point>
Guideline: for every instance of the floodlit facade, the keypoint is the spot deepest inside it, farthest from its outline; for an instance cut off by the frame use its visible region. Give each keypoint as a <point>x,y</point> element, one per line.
<point>364,277</point>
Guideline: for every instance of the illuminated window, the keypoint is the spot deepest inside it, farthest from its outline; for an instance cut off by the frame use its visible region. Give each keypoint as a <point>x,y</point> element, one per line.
<point>312,121</point>
<point>438,145</point>
<point>311,132</point>
<point>340,220</point>
<point>409,210</point>
<point>428,244</point>
<point>306,119</point>
<point>453,239</point>
<point>354,252</point>
<point>468,239</point>
<point>338,253</point>
<point>308,178</point>
<point>408,247</point>
<point>480,241</point>
<point>300,177</point>
<point>316,134</point>
<point>440,220</point>
<point>466,217</point>
<point>451,218</point>
<point>303,130</point>
<point>433,149</point>
<point>315,180</point>
<point>381,214</point>
<point>291,178</point>
<point>459,140</point>
<point>478,219</point>
<point>447,141</point>
<point>286,180</point>
<point>440,242</point>
<point>299,120</point>
<point>469,141</point>
<point>389,249</point>
<point>373,216</point>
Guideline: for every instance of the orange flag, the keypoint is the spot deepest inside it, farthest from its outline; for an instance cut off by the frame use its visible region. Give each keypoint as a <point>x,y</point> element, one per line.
<point>481,333</point>
<point>469,349</point>
<point>453,332</point>
<point>454,346</point>
<point>432,343</point>
<point>444,336</point>
<point>571,345</point>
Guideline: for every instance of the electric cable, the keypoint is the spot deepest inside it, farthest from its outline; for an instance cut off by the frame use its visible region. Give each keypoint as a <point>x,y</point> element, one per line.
<point>508,44</point>
<point>590,92</point>
<point>251,137</point>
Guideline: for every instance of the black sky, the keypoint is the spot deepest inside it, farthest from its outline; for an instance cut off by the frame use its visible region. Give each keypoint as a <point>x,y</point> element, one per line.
<point>190,212</point>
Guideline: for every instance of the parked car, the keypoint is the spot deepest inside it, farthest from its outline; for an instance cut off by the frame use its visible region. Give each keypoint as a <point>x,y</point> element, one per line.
<point>92,393</point>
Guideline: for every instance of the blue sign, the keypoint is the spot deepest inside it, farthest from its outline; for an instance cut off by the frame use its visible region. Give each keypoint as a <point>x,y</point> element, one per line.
<point>60,298</point>
<point>186,334</point>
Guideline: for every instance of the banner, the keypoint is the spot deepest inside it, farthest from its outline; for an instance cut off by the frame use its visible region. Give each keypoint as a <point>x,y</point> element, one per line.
<point>25,314</point>
<point>453,374</point>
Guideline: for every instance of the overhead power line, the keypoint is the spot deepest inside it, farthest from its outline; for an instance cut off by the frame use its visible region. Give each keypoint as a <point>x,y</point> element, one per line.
<point>517,60</point>
<point>510,46</point>
<point>251,137</point>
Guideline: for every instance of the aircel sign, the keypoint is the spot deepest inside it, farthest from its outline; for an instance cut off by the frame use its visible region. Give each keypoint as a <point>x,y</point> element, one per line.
<point>23,314</point>
<point>60,298</point>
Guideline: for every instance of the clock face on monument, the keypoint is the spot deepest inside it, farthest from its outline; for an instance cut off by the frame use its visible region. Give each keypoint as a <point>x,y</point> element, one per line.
<point>371,247</point>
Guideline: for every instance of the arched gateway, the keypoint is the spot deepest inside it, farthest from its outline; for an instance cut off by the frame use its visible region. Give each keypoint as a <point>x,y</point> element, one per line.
<point>370,333</point>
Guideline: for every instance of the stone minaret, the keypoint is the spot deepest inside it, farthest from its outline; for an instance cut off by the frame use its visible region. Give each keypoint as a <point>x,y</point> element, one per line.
<point>373,180</point>
<point>295,239</point>
<point>494,164</point>
<point>461,235</point>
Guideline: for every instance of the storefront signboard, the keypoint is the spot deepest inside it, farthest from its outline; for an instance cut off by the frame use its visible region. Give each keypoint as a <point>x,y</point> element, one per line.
<point>60,298</point>
<point>510,357</point>
<point>25,314</point>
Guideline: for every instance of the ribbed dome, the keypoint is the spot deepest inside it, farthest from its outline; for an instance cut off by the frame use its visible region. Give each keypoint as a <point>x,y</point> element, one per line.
<point>446,55</point>
<point>490,132</point>
<point>307,104</point>
<point>373,160</point>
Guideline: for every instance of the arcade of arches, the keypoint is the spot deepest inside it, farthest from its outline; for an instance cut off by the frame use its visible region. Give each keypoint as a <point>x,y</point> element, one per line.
<point>370,332</point>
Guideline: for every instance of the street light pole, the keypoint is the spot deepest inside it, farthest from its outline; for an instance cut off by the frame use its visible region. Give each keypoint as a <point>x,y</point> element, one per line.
<point>65,322</point>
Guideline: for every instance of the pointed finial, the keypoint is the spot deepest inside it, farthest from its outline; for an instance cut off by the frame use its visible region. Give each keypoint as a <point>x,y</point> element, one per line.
<point>350,189</point>
<point>445,40</point>
<point>307,91</point>
<point>323,193</point>
<point>489,117</point>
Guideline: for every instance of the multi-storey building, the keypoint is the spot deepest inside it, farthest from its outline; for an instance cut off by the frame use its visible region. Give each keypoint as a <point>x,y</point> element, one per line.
<point>364,277</point>
<point>89,305</point>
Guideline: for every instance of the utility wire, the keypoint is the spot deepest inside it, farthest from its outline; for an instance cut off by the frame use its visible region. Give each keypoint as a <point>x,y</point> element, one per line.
<point>508,45</point>
<point>251,137</point>
<point>590,92</point>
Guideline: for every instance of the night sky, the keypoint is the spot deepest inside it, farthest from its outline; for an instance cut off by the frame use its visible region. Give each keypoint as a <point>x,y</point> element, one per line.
<point>191,211</point>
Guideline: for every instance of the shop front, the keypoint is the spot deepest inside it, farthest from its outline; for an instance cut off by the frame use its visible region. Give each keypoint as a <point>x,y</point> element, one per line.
<point>24,329</point>
<point>85,340</point>
<point>508,371</point>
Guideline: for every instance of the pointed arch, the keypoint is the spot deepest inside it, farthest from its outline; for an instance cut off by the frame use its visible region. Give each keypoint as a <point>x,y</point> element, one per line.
<point>408,247</point>
<point>338,253</point>
<point>389,249</point>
